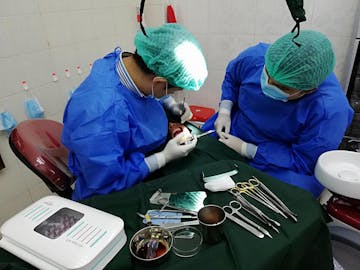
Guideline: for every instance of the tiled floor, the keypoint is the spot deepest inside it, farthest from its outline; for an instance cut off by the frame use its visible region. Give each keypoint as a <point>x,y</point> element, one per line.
<point>347,256</point>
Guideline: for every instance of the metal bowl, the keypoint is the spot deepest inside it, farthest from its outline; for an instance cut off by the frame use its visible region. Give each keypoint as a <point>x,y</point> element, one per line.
<point>151,244</point>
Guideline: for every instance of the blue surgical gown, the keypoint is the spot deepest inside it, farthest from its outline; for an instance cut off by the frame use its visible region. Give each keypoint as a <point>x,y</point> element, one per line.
<point>290,135</point>
<point>109,130</point>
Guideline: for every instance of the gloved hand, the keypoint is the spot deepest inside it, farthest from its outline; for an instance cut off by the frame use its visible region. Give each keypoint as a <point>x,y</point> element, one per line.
<point>245,149</point>
<point>181,110</point>
<point>222,123</point>
<point>179,146</point>
<point>187,115</point>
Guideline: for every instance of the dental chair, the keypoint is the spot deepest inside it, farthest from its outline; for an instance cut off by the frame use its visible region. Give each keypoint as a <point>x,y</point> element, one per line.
<point>37,143</point>
<point>339,172</point>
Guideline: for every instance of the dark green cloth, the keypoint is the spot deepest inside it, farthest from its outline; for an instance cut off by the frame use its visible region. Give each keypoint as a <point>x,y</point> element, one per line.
<point>298,246</point>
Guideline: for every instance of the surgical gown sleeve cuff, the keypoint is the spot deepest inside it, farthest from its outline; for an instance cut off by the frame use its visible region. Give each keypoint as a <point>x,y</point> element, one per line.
<point>225,106</point>
<point>155,162</point>
<point>251,150</point>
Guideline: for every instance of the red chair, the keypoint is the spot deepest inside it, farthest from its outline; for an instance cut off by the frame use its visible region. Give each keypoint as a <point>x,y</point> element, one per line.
<point>37,143</point>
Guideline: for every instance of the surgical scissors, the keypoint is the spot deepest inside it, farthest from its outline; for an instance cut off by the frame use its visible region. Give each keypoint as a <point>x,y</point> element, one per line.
<point>253,210</point>
<point>273,198</point>
<point>252,191</point>
<point>230,214</point>
<point>235,207</point>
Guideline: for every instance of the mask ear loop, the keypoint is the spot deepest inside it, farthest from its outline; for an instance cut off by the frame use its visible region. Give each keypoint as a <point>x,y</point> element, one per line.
<point>297,93</point>
<point>166,93</point>
<point>142,4</point>
<point>152,89</point>
<point>297,26</point>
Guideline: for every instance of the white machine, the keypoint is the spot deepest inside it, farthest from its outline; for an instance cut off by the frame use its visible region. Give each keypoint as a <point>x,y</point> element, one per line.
<point>57,233</point>
<point>339,172</point>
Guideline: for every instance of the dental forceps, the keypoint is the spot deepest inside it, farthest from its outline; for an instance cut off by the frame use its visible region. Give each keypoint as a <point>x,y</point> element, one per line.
<point>230,212</point>
<point>254,211</point>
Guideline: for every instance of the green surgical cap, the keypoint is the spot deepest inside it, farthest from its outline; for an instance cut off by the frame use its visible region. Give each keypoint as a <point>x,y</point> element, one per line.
<point>172,52</point>
<point>302,67</point>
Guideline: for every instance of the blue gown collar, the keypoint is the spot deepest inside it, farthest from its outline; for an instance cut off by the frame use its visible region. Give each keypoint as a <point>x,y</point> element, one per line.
<point>123,74</point>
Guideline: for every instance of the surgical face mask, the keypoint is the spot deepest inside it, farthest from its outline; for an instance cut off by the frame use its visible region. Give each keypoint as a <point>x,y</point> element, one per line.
<point>271,90</point>
<point>33,108</point>
<point>7,122</point>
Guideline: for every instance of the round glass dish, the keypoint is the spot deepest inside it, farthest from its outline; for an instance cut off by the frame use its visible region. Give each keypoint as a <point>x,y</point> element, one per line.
<point>187,241</point>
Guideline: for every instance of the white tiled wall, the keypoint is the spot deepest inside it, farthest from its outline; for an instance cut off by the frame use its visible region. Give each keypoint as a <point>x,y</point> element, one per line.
<point>38,37</point>
<point>229,26</point>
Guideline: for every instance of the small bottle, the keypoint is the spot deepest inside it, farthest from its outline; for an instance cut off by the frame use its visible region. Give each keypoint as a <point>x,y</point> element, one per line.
<point>80,74</point>
<point>54,77</point>
<point>70,85</point>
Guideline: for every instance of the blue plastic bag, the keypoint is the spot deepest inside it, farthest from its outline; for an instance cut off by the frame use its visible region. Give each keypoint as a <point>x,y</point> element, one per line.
<point>7,123</point>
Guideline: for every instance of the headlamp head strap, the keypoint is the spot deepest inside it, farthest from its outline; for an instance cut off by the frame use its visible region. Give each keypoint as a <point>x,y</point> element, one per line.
<point>298,14</point>
<point>142,5</point>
